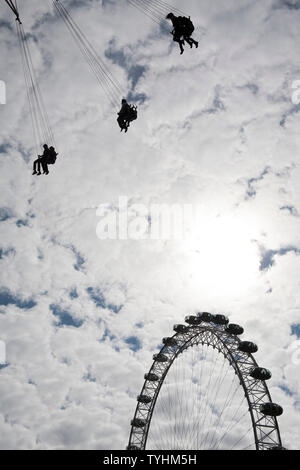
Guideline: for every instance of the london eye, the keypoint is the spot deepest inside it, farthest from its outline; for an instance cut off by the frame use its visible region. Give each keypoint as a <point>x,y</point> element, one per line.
<point>205,390</point>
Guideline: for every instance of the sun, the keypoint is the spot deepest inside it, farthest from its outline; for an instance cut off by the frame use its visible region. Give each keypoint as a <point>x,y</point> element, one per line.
<point>222,254</point>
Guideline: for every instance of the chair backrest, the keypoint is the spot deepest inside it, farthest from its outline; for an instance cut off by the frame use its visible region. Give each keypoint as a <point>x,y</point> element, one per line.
<point>188,25</point>
<point>52,157</point>
<point>133,113</point>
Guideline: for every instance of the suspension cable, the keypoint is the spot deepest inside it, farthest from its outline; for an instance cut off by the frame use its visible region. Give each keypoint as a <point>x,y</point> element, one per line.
<point>155,9</point>
<point>147,11</point>
<point>39,117</point>
<point>106,80</point>
<point>14,8</point>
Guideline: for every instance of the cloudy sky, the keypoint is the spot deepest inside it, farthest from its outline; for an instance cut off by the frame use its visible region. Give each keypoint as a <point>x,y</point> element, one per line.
<point>218,130</point>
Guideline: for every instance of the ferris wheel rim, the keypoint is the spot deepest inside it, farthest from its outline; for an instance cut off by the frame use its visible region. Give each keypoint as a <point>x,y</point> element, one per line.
<point>226,344</point>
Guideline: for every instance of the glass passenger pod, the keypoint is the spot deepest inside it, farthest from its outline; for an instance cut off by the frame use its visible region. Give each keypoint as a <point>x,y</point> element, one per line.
<point>220,319</point>
<point>138,423</point>
<point>205,316</point>
<point>192,320</point>
<point>144,399</point>
<point>248,347</point>
<point>169,341</point>
<point>277,448</point>
<point>151,377</point>
<point>160,357</point>
<point>234,329</point>
<point>180,328</point>
<point>260,373</point>
<point>271,409</point>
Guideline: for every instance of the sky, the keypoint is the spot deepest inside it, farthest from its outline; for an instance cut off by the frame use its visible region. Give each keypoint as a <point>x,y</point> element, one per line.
<point>217,130</point>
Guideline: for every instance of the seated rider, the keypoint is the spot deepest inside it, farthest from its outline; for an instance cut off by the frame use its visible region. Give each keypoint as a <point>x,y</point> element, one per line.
<point>37,163</point>
<point>126,114</point>
<point>131,116</point>
<point>183,28</point>
<point>48,157</point>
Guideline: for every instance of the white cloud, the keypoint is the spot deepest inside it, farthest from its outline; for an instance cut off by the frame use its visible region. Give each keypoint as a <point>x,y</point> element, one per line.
<point>207,133</point>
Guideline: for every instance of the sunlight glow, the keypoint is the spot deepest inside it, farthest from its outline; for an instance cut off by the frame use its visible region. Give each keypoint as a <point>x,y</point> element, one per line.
<point>223,254</point>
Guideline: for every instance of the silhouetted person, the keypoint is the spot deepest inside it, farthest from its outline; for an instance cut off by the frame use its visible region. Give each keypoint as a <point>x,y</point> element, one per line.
<point>48,159</point>
<point>182,30</point>
<point>122,115</point>
<point>37,163</point>
<point>126,114</point>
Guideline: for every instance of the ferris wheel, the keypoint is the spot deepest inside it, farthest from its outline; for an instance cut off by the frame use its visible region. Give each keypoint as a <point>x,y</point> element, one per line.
<point>205,390</point>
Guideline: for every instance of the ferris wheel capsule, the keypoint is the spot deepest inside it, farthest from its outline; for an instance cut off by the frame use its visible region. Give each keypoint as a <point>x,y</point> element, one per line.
<point>271,409</point>
<point>192,320</point>
<point>247,347</point>
<point>180,328</point>
<point>277,448</point>
<point>220,319</point>
<point>151,377</point>
<point>160,357</point>
<point>132,448</point>
<point>205,317</point>
<point>144,399</point>
<point>234,329</point>
<point>138,423</point>
<point>260,373</point>
<point>169,341</point>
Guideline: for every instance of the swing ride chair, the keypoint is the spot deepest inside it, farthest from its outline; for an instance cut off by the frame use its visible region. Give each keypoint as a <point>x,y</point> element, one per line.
<point>109,83</point>
<point>156,10</point>
<point>43,134</point>
<point>126,118</point>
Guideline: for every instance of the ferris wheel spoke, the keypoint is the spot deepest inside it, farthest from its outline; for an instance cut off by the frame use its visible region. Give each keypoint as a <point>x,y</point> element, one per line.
<point>206,402</point>
<point>218,388</point>
<point>230,398</point>
<point>241,438</point>
<point>198,402</point>
<point>215,445</point>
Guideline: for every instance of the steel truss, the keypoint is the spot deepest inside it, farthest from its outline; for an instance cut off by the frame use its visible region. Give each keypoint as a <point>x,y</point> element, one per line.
<point>265,428</point>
